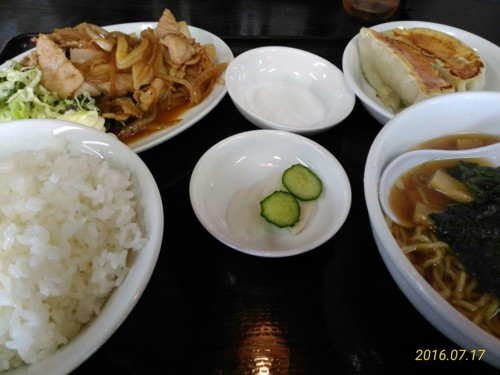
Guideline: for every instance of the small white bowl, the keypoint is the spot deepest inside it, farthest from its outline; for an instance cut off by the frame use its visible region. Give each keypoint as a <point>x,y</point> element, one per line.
<point>489,52</point>
<point>230,179</point>
<point>472,112</point>
<point>40,134</point>
<point>288,89</point>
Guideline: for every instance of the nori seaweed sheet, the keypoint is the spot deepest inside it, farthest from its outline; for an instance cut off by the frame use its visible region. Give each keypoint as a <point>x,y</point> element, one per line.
<point>473,233</point>
<point>473,230</point>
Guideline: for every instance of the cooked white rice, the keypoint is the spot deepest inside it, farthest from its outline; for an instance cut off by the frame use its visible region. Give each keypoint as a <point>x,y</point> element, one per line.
<point>67,223</point>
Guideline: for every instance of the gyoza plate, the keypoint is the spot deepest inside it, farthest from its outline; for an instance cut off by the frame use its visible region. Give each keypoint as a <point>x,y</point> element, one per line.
<point>192,115</point>
<point>489,52</point>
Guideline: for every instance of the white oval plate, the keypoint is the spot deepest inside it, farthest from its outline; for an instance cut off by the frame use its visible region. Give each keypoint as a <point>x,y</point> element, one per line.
<point>192,115</point>
<point>241,165</point>
<point>489,52</point>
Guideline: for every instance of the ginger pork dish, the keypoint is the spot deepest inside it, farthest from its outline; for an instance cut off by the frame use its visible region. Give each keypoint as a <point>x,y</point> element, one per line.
<point>117,82</point>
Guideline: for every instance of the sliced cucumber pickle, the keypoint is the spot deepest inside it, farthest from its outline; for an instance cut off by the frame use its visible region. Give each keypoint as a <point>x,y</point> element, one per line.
<point>302,182</point>
<point>281,209</point>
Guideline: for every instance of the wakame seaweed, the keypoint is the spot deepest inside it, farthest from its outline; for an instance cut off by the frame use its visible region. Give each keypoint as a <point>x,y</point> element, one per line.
<point>481,180</point>
<point>473,230</point>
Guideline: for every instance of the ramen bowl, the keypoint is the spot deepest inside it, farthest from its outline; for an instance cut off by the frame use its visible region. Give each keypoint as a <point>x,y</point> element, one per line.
<point>31,150</point>
<point>288,89</point>
<point>446,115</point>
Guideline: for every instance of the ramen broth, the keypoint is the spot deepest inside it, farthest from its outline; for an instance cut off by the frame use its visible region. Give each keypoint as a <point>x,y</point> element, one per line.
<point>412,186</point>
<point>433,259</point>
<point>462,141</point>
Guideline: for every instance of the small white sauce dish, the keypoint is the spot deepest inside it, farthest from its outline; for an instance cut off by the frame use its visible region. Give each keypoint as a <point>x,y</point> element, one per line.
<point>231,178</point>
<point>289,89</point>
<point>489,52</point>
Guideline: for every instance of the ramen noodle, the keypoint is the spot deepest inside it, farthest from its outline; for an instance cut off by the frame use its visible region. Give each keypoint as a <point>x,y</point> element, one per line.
<point>436,261</point>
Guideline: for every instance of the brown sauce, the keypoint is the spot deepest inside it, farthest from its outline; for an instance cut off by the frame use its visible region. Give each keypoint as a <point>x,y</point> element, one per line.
<point>165,118</point>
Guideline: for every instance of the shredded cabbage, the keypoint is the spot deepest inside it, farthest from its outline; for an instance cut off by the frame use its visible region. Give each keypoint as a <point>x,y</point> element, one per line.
<point>22,97</point>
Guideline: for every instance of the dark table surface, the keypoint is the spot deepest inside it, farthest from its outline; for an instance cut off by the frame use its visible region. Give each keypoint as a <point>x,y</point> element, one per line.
<point>211,310</point>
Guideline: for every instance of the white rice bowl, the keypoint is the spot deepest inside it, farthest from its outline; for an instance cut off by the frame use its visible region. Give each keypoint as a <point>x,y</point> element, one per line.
<point>79,239</point>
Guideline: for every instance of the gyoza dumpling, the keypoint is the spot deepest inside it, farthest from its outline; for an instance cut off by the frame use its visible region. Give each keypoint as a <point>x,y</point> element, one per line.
<point>406,66</point>
<point>400,74</point>
<point>457,62</point>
